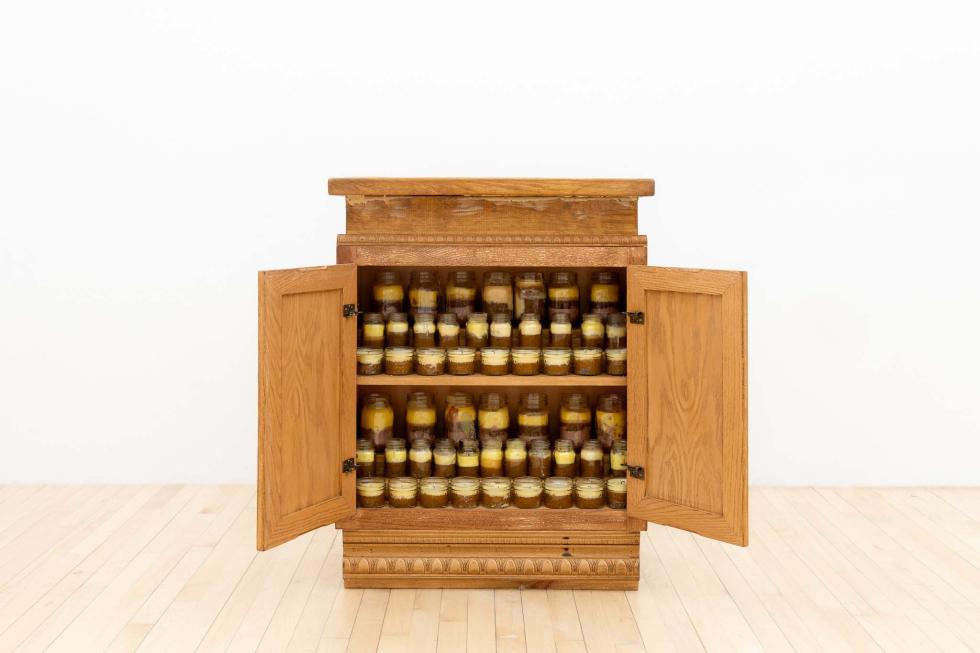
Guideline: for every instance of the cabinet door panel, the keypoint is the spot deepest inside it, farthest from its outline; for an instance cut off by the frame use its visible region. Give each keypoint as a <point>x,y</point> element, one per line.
<point>687,413</point>
<point>306,400</point>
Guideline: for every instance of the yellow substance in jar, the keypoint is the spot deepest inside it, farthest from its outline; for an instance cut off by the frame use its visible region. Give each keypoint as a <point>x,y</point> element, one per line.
<point>569,416</point>
<point>498,295</point>
<point>605,292</point>
<point>389,293</point>
<point>461,356</point>
<point>563,294</point>
<point>496,489</point>
<point>591,454</point>
<point>494,356</point>
<point>402,492</point>
<point>458,293</point>
<point>614,423</point>
<point>370,358</point>
<point>561,328</point>
<point>495,419</point>
<point>466,490</point>
<point>420,416</point>
<point>365,456</point>
<point>434,489</point>
<point>500,329</point>
<point>462,413</point>
<point>532,419</point>
<point>515,454</point>
<point>561,491</point>
<point>420,455</point>
<point>445,458</point>
<point>491,456</point>
<point>448,330</point>
<point>564,457</point>
<point>614,331</point>
<point>615,355</point>
<point>376,419</point>
<point>592,328</point>
<point>589,491</point>
<point>425,328</point>
<point>395,455</point>
<point>370,489</point>
<point>557,357</point>
<point>433,358</point>
<point>525,356</point>
<point>374,330</point>
<point>423,298</point>
<point>397,327</point>
<point>617,461</point>
<point>477,329</point>
<point>530,328</point>
<point>469,459</point>
<point>399,355</point>
<point>526,490</point>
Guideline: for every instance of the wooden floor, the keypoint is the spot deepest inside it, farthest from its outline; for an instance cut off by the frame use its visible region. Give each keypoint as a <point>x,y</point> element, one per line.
<point>174,568</point>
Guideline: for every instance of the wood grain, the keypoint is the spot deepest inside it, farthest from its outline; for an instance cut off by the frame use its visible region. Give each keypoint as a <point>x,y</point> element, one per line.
<point>491,215</point>
<point>479,518</point>
<point>687,407</point>
<point>527,187</point>
<point>509,380</point>
<point>485,254</point>
<point>307,400</point>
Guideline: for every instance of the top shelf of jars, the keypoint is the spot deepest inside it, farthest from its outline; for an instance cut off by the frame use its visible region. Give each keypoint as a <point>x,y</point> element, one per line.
<point>484,187</point>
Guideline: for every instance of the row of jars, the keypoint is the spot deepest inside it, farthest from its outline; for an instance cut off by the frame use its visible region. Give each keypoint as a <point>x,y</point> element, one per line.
<point>465,420</point>
<point>499,293</point>
<point>492,459</point>
<point>379,330</point>
<point>496,492</point>
<point>491,361</point>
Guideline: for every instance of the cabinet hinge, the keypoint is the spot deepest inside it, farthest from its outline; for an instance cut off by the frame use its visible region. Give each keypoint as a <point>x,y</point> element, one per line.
<point>350,310</point>
<point>636,471</point>
<point>636,317</point>
<point>349,465</point>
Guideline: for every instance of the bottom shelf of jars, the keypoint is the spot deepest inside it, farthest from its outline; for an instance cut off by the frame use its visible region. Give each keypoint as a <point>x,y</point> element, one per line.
<point>480,518</point>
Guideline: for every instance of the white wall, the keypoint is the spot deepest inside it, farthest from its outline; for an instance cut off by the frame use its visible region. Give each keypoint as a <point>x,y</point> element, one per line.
<point>154,155</point>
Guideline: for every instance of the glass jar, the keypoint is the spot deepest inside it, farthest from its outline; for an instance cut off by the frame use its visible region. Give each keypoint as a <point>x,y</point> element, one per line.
<point>604,293</point>
<point>396,458</point>
<point>525,361</point>
<point>529,295</point>
<point>494,361</point>
<point>370,492</point>
<point>616,362</point>
<point>532,416</point>
<point>444,459</point>
<point>424,293</point>
<point>527,492</point>
<point>575,418</point>
<point>557,361</point>
<point>589,493</point>
<point>593,331</point>
<point>492,458</point>
<point>461,294</point>
<point>616,331</point>
<point>403,492</point>
<point>387,293</point>
<point>477,331</point>
<point>558,492</point>
<point>434,492</point>
<point>377,421</point>
<point>459,421</point>
<point>496,492</point>
<point>617,459</point>
<point>616,492</point>
<point>563,295</point>
<point>515,458</point>
<point>396,330</point>
<point>529,331</point>
<point>468,459</point>
<point>590,460</point>
<point>610,420</point>
<point>365,458</point>
<point>369,360</point>
<point>565,463</point>
<point>420,417</point>
<point>420,459</point>
<point>398,360</point>
<point>464,492</point>
<point>430,361</point>
<point>500,330</point>
<point>373,331</point>
<point>462,360</point>
<point>498,295</point>
<point>539,458</point>
<point>560,331</point>
<point>424,331</point>
<point>493,417</point>
<point>448,328</point>
<point>587,361</point>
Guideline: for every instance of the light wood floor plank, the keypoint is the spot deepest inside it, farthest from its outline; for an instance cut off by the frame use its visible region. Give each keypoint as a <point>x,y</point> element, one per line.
<point>508,613</point>
<point>366,633</point>
<point>481,633</point>
<point>452,621</point>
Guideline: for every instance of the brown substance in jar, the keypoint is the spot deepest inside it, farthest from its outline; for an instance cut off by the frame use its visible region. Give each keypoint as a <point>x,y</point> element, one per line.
<point>557,361</point>
<point>434,493</point>
<point>398,360</point>
<point>433,500</point>
<point>539,463</point>
<point>496,492</point>
<point>402,492</point>
<point>591,468</point>
<point>587,361</point>
<point>589,493</point>
<point>525,361</point>
<point>527,492</point>
<point>616,362</point>
<point>430,361</point>
<point>371,493</point>
<point>369,361</point>
<point>557,496</point>
<point>464,493</point>
<point>616,493</point>
<point>461,360</point>
<point>493,361</point>
<point>420,469</point>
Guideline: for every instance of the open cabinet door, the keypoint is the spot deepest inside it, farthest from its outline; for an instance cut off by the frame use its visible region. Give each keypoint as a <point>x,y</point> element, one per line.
<point>307,354</point>
<point>687,443</point>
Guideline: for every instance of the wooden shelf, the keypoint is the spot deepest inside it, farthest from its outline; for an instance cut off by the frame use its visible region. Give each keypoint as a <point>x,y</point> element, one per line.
<point>512,518</point>
<point>570,380</point>
<point>490,187</point>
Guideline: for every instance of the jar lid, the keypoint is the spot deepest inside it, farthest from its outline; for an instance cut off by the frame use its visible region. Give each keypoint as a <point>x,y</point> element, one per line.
<point>525,353</point>
<point>387,277</point>
<point>495,485</point>
<point>528,482</point>
<point>587,482</point>
<point>477,317</point>
<point>615,484</point>
<point>616,354</point>
<point>538,444</point>
<point>370,486</point>
<point>448,318</point>
<point>461,354</point>
<point>494,355</point>
<point>434,483</point>
<point>466,484</point>
<point>557,483</point>
<point>402,483</point>
<point>395,443</point>
<point>374,318</point>
<point>398,317</point>
<point>592,317</point>
<point>430,353</point>
<point>587,352</point>
<point>516,443</point>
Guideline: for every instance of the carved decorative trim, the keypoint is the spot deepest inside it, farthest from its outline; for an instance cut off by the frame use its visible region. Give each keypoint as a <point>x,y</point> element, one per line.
<point>415,538</point>
<point>606,567</point>
<point>488,239</point>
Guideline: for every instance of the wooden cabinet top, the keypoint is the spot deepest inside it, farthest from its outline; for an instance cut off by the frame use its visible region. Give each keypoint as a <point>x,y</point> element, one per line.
<point>477,187</point>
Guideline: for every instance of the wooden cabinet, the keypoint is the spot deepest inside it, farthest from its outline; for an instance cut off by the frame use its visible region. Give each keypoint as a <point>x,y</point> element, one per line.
<point>685,387</point>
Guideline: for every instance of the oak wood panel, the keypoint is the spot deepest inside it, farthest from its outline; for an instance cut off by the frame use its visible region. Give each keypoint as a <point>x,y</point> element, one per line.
<point>508,519</point>
<point>517,187</point>
<point>687,406</point>
<point>567,381</point>
<point>307,400</point>
<point>485,254</point>
<point>491,215</point>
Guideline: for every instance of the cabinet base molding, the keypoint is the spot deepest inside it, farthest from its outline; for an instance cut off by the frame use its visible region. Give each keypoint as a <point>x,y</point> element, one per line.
<point>434,559</point>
